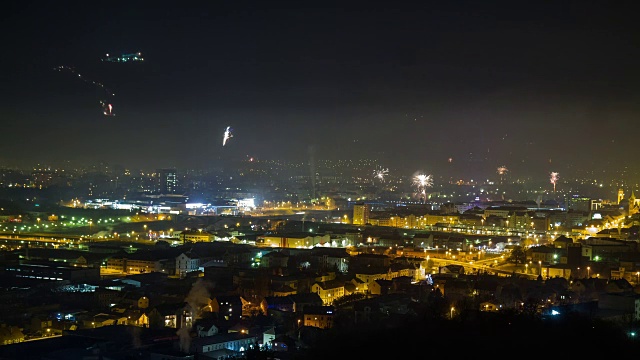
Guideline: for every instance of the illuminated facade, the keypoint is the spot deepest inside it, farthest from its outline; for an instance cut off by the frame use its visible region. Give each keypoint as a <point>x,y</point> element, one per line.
<point>196,236</point>
<point>328,291</point>
<point>361,212</point>
<point>167,181</point>
<point>186,264</point>
<point>134,266</point>
<point>294,240</point>
<point>318,316</point>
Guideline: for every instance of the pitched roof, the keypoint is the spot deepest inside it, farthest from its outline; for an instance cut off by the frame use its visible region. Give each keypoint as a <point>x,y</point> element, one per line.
<point>277,300</point>
<point>318,310</point>
<point>331,284</point>
<point>307,298</point>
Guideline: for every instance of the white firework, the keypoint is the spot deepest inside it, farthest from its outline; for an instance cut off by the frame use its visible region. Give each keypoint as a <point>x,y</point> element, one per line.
<point>380,174</point>
<point>422,182</point>
<point>227,135</point>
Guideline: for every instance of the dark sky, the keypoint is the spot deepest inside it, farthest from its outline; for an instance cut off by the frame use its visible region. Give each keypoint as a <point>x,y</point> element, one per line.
<point>536,86</point>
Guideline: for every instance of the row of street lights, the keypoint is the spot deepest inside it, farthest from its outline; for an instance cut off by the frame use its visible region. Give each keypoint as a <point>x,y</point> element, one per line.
<point>588,271</point>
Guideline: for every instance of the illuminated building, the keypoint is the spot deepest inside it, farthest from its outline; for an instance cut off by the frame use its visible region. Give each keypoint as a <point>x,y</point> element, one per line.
<point>167,181</point>
<point>318,316</point>
<point>580,203</point>
<point>620,195</point>
<point>361,212</point>
<point>328,290</point>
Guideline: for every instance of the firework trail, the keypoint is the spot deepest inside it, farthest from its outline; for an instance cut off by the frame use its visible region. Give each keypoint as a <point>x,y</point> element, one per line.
<point>422,182</point>
<point>105,104</point>
<point>227,135</point>
<point>554,176</point>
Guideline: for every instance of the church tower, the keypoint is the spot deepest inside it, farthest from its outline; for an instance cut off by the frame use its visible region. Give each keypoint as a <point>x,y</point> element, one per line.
<point>620,195</point>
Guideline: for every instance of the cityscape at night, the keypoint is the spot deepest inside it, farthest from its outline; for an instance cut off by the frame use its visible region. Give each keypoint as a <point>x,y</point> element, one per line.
<point>291,180</point>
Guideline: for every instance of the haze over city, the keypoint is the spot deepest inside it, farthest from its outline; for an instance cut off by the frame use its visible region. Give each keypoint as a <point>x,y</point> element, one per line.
<point>457,87</point>
<point>313,180</point>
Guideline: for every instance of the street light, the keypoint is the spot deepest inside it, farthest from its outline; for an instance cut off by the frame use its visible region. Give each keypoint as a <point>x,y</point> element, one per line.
<point>451,316</point>
<point>588,271</point>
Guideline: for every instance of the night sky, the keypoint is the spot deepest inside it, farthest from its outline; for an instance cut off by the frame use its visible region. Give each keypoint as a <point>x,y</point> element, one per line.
<point>536,86</point>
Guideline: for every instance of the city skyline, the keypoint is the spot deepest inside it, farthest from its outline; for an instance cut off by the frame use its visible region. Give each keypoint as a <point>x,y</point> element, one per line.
<point>534,87</point>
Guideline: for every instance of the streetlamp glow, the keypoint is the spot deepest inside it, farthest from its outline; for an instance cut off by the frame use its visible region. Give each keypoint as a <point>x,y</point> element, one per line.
<point>540,266</point>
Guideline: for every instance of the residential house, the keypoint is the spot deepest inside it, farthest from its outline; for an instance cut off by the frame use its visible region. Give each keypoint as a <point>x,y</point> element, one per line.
<point>381,307</point>
<point>368,275</point>
<point>452,269</point>
<point>490,306</point>
<point>228,307</point>
<point>329,290</point>
<point>589,288</point>
<point>284,285</point>
<point>318,316</point>
<point>405,269</point>
<point>281,303</point>
<point>355,286</point>
<point>274,259</point>
<point>137,318</point>
<point>301,301</point>
<point>562,242</point>
<point>226,345</point>
<point>282,290</point>
<point>206,327</point>
<point>166,315</point>
<point>380,287</point>
<point>134,299</point>
<point>103,319</point>
<point>186,263</point>
<point>330,259</point>
<point>545,254</point>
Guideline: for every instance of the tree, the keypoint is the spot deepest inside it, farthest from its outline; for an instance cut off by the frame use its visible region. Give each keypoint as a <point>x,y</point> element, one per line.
<point>517,255</point>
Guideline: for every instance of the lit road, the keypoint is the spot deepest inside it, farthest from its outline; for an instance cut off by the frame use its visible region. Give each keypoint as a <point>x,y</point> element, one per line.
<point>506,270</point>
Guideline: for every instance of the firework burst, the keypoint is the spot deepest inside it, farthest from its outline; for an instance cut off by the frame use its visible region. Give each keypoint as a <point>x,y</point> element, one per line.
<point>380,174</point>
<point>422,182</point>
<point>502,171</point>
<point>553,178</point>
